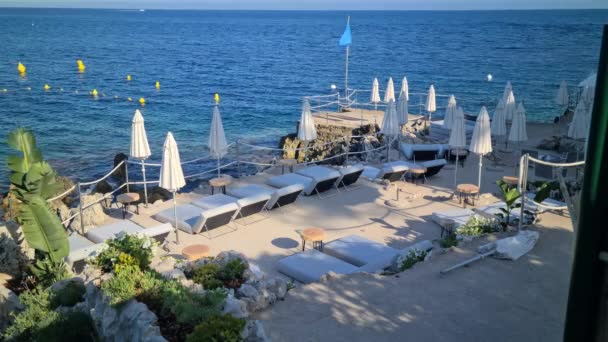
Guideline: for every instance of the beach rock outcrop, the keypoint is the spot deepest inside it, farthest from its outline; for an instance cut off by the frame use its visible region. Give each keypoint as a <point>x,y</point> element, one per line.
<point>13,260</point>
<point>92,216</point>
<point>121,173</point>
<point>254,332</point>
<point>9,302</point>
<point>103,187</point>
<point>133,321</point>
<point>235,307</point>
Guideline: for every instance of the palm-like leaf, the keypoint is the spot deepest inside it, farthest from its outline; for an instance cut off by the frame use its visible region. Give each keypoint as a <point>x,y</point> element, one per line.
<point>42,228</point>
<point>23,140</point>
<point>41,180</point>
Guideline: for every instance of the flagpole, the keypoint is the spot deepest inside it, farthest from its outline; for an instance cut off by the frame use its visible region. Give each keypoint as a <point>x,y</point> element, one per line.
<point>346,66</point>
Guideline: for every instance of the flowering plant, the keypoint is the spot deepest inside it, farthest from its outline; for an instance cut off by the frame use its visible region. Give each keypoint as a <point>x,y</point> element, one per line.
<point>126,250</point>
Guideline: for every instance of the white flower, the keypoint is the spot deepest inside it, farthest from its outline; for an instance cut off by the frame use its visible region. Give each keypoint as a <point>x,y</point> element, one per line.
<point>146,244</point>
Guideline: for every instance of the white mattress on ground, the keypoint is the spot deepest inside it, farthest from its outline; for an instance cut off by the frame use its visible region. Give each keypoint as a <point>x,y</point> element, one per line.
<point>319,173</point>
<point>358,250</point>
<point>189,217</point>
<point>251,190</point>
<point>82,248</point>
<point>214,201</point>
<point>293,179</point>
<point>459,216</point>
<point>109,231</point>
<point>309,266</point>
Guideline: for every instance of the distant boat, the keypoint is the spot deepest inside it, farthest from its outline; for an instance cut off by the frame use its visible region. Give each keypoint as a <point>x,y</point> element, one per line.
<point>142,10</point>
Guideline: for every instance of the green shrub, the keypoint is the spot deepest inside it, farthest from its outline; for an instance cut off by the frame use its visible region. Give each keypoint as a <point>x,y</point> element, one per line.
<point>68,327</point>
<point>71,294</point>
<point>413,257</point>
<point>47,272</point>
<point>125,251</point>
<point>207,275</point>
<point>37,305</point>
<point>189,307</point>
<point>129,283</point>
<point>213,276</point>
<point>477,225</point>
<point>231,274</point>
<point>218,329</point>
<point>448,241</point>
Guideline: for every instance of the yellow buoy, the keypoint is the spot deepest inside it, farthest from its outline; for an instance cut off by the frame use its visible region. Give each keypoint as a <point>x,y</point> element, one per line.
<point>47,87</point>
<point>21,68</point>
<point>157,85</point>
<point>142,101</point>
<point>216,97</point>
<point>129,99</point>
<point>94,93</point>
<point>81,66</point>
<point>128,77</point>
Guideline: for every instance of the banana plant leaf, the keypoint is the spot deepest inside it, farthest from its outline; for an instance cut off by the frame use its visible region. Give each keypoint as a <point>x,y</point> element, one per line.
<point>41,180</point>
<point>42,228</point>
<point>23,140</point>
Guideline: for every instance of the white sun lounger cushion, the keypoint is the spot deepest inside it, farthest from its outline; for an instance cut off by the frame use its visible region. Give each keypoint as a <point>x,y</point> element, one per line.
<point>82,248</point>
<point>350,169</point>
<point>358,250</point>
<point>293,179</point>
<point>258,189</point>
<point>109,231</point>
<point>214,201</point>
<point>408,149</point>
<point>191,218</point>
<point>370,172</point>
<point>492,210</point>
<point>432,163</point>
<point>459,216</point>
<point>309,266</point>
<point>386,260</point>
<point>319,173</point>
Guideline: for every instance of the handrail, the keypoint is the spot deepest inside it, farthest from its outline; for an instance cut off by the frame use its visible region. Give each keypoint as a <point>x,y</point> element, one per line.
<point>62,194</point>
<point>104,177</point>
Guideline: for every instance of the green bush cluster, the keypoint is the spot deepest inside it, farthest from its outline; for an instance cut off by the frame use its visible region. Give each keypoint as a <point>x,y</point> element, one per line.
<point>218,329</point>
<point>477,225</point>
<point>39,322</point>
<point>47,271</point>
<point>213,276</point>
<point>125,251</point>
<point>448,241</point>
<point>71,294</point>
<point>413,257</point>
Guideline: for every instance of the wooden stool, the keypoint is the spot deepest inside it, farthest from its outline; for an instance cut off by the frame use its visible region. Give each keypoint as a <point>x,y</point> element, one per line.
<point>219,182</point>
<point>126,199</point>
<point>416,174</point>
<point>195,252</point>
<point>466,191</point>
<point>316,235</point>
<point>290,163</point>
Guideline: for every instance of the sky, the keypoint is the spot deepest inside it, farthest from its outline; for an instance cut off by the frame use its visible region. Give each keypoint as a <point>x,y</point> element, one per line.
<point>314,4</point>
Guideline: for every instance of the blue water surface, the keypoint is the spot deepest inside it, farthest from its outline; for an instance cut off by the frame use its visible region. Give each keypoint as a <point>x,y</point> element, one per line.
<point>262,63</point>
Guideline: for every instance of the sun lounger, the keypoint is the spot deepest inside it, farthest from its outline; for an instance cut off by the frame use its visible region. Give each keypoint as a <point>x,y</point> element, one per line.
<point>548,204</point>
<point>325,178</point>
<point>459,216</point>
<point>432,166</point>
<point>308,266</point>
<point>422,152</point>
<point>81,248</point>
<point>349,175</point>
<point>392,171</point>
<point>249,205</point>
<point>193,219</point>
<point>493,210</point>
<point>278,197</point>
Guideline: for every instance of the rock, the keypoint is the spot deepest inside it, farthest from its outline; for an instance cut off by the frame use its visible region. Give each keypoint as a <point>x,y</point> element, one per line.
<point>62,284</point>
<point>62,211</point>
<point>235,307</point>
<point>254,273</point>
<point>254,332</point>
<point>327,277</point>
<point>9,302</point>
<point>247,290</point>
<point>103,187</point>
<point>257,298</point>
<point>277,286</point>
<point>65,184</point>
<point>225,257</point>
<point>13,260</point>
<point>157,193</point>
<point>120,173</point>
<point>91,274</point>
<point>174,274</point>
<point>158,202</point>
<point>133,321</point>
<point>92,216</point>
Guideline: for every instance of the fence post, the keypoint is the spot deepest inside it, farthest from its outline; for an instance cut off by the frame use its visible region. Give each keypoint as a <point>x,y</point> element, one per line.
<point>238,158</point>
<point>81,209</point>
<point>127,174</point>
<point>347,149</point>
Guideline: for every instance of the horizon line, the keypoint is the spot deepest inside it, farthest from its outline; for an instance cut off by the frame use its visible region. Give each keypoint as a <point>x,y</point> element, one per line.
<point>311,10</point>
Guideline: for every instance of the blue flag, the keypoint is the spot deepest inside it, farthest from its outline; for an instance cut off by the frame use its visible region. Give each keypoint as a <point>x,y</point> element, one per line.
<point>346,38</point>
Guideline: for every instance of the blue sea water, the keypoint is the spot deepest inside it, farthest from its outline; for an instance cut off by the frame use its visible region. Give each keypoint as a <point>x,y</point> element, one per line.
<point>262,63</point>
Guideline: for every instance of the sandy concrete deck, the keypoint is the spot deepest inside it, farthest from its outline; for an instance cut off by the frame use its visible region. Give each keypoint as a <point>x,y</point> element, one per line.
<point>354,118</point>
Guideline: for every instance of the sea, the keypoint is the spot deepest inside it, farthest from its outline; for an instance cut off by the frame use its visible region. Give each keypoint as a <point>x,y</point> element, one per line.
<point>262,63</point>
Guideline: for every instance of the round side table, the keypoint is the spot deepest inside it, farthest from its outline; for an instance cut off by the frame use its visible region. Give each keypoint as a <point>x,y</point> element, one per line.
<point>219,182</point>
<point>465,192</point>
<point>195,252</point>
<point>316,235</point>
<point>126,199</point>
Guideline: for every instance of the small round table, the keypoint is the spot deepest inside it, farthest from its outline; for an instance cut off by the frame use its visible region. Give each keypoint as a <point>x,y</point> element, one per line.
<point>459,155</point>
<point>126,199</point>
<point>316,235</point>
<point>290,163</point>
<point>195,252</point>
<point>219,182</point>
<point>467,191</point>
<point>416,174</point>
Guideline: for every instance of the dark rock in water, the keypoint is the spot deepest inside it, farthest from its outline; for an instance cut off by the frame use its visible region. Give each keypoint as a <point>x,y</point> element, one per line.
<point>66,183</point>
<point>155,194</point>
<point>120,173</point>
<point>103,187</point>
